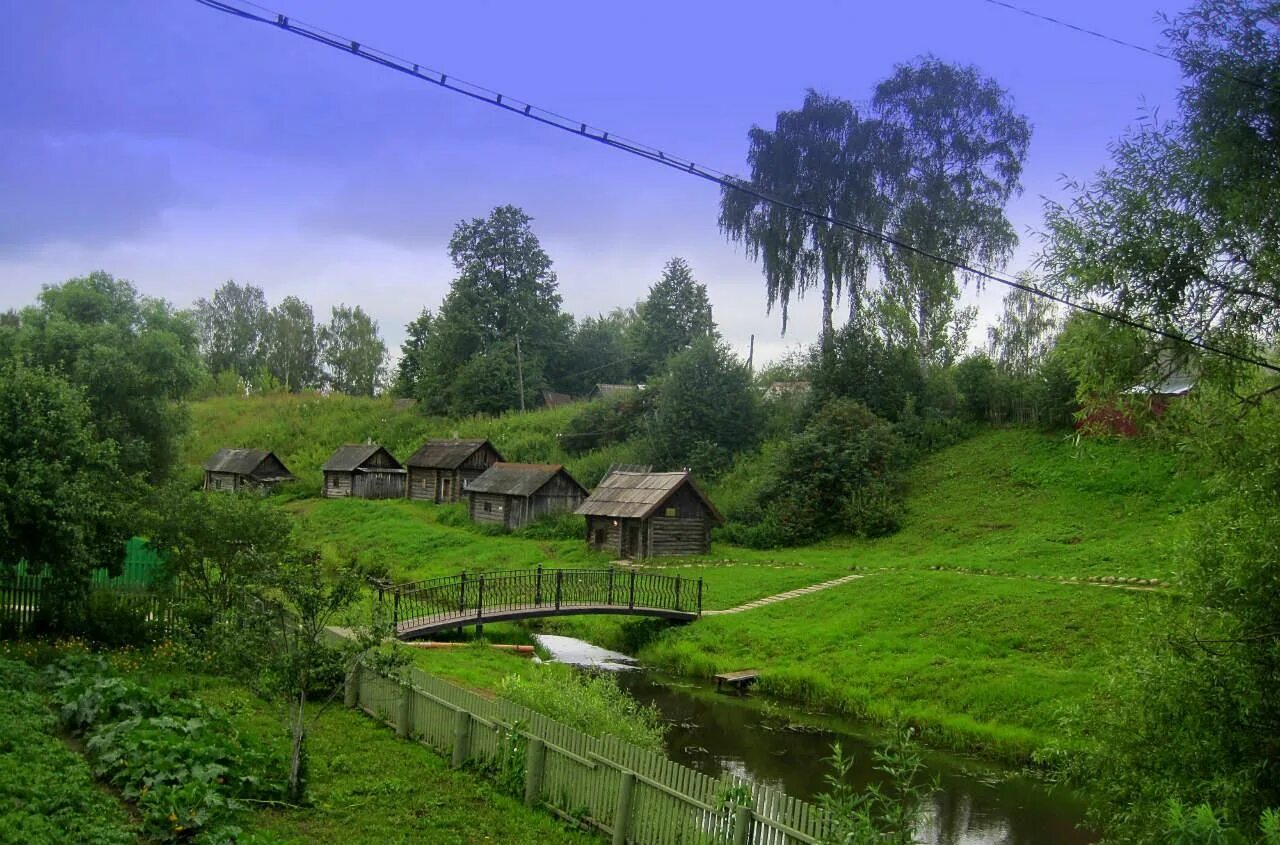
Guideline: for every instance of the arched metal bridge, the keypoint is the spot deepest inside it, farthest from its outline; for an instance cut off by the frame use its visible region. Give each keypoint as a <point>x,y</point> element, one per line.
<point>421,608</point>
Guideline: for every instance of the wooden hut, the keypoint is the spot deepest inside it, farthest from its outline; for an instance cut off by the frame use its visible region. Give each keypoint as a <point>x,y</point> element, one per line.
<point>649,514</point>
<point>239,469</point>
<point>441,469</point>
<point>512,495</point>
<point>363,472</point>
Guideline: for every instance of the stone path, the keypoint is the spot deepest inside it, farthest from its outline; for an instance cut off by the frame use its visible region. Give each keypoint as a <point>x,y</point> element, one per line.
<point>791,594</point>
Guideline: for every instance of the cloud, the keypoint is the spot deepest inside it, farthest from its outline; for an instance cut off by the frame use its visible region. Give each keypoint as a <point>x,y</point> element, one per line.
<point>84,191</point>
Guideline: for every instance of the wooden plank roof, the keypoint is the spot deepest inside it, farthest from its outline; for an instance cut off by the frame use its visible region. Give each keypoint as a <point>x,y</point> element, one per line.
<point>242,462</point>
<point>637,495</point>
<point>351,457</point>
<point>447,454</point>
<point>518,479</point>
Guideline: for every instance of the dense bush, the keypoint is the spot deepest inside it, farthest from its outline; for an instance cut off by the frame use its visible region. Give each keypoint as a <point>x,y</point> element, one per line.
<point>1191,712</point>
<point>608,420</point>
<point>557,526</point>
<point>841,474</point>
<point>705,412</point>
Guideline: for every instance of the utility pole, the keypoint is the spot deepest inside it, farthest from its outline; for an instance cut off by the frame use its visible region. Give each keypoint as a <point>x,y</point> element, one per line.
<point>520,372</point>
<point>751,354</point>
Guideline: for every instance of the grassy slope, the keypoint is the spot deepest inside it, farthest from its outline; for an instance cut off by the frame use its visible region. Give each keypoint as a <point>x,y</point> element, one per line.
<point>981,662</point>
<point>304,430</point>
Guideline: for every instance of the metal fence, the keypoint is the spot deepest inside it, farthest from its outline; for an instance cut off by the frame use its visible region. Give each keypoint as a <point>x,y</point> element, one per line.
<point>632,794</point>
<point>423,606</point>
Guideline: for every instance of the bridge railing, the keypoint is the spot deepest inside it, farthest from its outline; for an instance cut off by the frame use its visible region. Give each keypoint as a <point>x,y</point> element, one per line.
<point>476,596</point>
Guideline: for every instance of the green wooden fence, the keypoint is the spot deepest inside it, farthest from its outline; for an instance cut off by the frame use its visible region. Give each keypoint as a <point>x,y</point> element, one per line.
<point>631,794</point>
<point>133,589</point>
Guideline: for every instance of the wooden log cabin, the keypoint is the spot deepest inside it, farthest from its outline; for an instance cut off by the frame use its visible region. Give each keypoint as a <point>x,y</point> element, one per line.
<point>363,472</point>
<point>649,514</point>
<point>513,495</point>
<point>441,469</point>
<point>233,470</point>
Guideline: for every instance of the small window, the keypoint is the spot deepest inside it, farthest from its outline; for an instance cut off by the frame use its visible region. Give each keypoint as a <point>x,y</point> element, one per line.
<point>600,536</point>
<point>333,481</point>
<point>488,507</point>
<point>671,512</point>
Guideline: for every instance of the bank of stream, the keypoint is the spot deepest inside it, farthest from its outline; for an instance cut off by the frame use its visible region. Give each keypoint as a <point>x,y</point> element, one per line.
<point>978,803</point>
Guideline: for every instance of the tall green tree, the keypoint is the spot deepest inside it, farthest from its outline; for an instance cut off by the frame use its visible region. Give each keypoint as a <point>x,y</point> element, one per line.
<point>291,345</point>
<point>963,145</point>
<point>502,314</point>
<point>674,314</point>
<point>413,361</point>
<point>1024,333</point>
<point>601,352</point>
<point>828,158</point>
<point>1183,229</point>
<point>705,412</point>
<point>354,354</point>
<point>233,328</point>
<point>66,506</point>
<point>134,357</point>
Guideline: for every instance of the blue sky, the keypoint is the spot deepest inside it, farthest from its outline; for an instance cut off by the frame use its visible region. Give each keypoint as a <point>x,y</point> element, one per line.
<point>179,147</point>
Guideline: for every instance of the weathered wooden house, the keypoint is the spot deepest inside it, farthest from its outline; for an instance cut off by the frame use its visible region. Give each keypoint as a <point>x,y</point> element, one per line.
<point>240,469</point>
<point>441,469</point>
<point>649,514</point>
<point>512,495</point>
<point>363,472</point>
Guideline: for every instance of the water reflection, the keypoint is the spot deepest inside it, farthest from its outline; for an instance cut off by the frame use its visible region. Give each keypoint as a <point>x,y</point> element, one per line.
<point>978,804</point>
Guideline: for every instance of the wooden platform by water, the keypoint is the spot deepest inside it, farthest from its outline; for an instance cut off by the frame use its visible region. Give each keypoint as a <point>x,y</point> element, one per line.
<point>738,680</point>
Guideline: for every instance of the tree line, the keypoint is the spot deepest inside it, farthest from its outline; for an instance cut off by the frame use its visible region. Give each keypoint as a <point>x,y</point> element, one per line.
<point>246,344</point>
<point>500,338</point>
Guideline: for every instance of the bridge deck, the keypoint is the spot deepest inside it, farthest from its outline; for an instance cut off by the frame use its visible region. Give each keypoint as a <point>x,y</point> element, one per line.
<point>425,607</point>
<point>412,629</point>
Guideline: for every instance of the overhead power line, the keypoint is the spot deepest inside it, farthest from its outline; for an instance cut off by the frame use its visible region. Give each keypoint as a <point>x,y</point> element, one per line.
<point>679,163</point>
<point>1150,51</point>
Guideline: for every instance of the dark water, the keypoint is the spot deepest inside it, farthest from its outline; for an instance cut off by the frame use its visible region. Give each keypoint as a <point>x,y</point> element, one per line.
<point>978,803</point>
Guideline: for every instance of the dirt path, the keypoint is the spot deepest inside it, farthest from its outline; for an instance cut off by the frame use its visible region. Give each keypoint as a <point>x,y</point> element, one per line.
<point>790,594</point>
<point>813,588</point>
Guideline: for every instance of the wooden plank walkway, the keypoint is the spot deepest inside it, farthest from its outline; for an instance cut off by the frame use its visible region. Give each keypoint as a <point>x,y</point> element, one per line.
<point>790,594</point>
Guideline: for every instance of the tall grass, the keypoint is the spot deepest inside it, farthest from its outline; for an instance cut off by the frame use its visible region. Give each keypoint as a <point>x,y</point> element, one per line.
<point>592,703</point>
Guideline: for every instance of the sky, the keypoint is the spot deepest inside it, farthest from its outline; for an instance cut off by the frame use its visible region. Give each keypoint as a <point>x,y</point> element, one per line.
<point>179,147</point>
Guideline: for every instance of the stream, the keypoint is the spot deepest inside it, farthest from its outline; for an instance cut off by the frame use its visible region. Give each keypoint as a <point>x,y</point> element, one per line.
<point>978,803</point>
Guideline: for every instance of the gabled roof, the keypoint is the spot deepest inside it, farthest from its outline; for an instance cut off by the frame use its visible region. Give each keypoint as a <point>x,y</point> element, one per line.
<point>351,457</point>
<point>447,454</point>
<point>637,495</point>
<point>242,462</point>
<point>518,479</point>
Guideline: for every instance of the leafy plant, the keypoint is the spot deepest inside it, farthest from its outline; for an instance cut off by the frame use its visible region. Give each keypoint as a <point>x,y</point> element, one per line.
<point>878,815</point>
<point>185,767</point>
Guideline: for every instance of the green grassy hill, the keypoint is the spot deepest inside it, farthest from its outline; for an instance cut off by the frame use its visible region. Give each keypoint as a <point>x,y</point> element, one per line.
<point>977,620</point>
<point>305,429</point>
